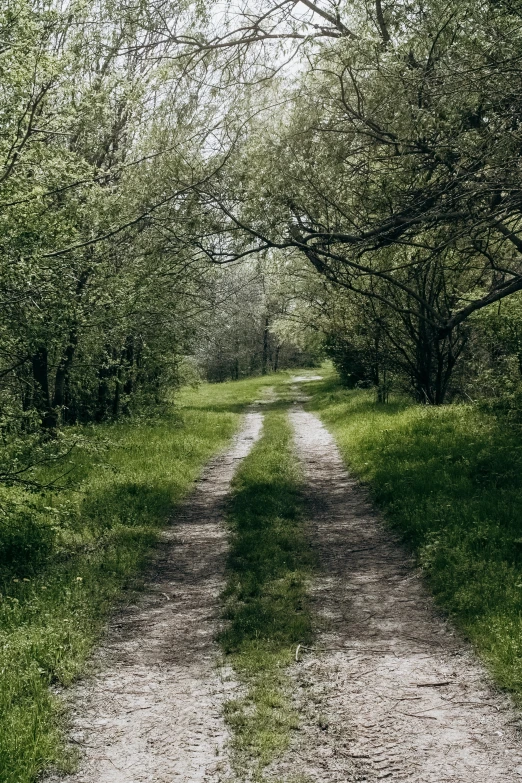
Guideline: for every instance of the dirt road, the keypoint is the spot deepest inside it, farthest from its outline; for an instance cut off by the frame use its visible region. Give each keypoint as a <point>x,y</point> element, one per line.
<point>389,691</point>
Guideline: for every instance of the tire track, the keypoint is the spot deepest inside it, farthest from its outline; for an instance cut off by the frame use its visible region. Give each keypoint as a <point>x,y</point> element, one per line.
<point>390,691</point>
<point>153,713</point>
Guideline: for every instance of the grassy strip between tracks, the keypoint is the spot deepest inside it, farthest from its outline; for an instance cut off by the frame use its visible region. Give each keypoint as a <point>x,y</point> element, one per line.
<point>450,481</point>
<point>66,556</point>
<point>266,604</point>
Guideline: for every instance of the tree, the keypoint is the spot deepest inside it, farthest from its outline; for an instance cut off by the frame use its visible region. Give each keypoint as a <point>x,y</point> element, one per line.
<point>240,334</point>
<point>91,162</point>
<point>394,172</point>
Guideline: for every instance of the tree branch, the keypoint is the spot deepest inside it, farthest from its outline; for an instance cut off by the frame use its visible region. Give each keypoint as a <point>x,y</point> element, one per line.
<point>333,20</point>
<point>385,35</point>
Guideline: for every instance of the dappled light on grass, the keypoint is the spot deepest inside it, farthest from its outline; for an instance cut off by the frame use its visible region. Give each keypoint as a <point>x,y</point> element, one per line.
<point>450,481</point>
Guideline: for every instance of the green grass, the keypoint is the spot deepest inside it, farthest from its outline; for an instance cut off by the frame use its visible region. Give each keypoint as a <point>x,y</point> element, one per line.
<point>65,557</point>
<point>267,608</point>
<point>450,481</point>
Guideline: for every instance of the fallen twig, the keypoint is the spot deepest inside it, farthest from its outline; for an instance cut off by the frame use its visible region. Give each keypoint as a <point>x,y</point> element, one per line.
<point>413,715</point>
<point>364,549</point>
<point>434,684</point>
<point>474,704</point>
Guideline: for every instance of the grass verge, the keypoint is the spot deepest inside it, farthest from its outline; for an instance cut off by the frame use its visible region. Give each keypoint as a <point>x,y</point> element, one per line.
<point>266,604</point>
<point>66,556</point>
<point>450,481</point>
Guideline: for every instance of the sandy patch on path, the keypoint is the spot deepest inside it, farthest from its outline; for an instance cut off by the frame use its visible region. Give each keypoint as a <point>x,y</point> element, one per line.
<point>304,378</point>
<point>390,692</point>
<point>153,713</point>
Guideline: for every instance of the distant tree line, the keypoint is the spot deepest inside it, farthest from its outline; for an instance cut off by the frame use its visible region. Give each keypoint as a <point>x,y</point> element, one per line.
<point>242,335</point>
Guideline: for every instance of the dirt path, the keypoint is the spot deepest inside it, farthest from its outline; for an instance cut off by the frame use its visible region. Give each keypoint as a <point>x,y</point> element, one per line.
<point>390,692</point>
<point>154,711</point>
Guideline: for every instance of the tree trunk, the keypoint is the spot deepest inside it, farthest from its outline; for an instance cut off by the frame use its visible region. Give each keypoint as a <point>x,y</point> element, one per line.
<point>436,360</point>
<point>128,387</point>
<point>276,357</point>
<point>62,373</point>
<point>116,398</point>
<point>264,361</point>
<point>382,387</point>
<point>42,397</point>
<point>104,398</point>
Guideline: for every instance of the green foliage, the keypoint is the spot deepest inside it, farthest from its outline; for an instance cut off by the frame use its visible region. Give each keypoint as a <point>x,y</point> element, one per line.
<point>66,556</point>
<point>97,294</point>
<point>350,360</point>
<point>391,171</point>
<point>495,357</point>
<point>241,337</point>
<point>267,607</point>
<point>450,481</point>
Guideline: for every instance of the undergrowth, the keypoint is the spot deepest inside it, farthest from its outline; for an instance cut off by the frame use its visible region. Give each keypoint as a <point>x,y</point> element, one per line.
<point>65,557</point>
<point>266,603</point>
<point>450,481</point>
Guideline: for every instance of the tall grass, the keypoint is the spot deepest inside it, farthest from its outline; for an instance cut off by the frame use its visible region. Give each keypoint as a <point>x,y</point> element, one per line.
<point>450,481</point>
<point>266,601</point>
<point>66,556</point>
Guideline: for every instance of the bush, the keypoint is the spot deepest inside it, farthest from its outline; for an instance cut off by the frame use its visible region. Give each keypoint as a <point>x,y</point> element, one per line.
<point>26,539</point>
